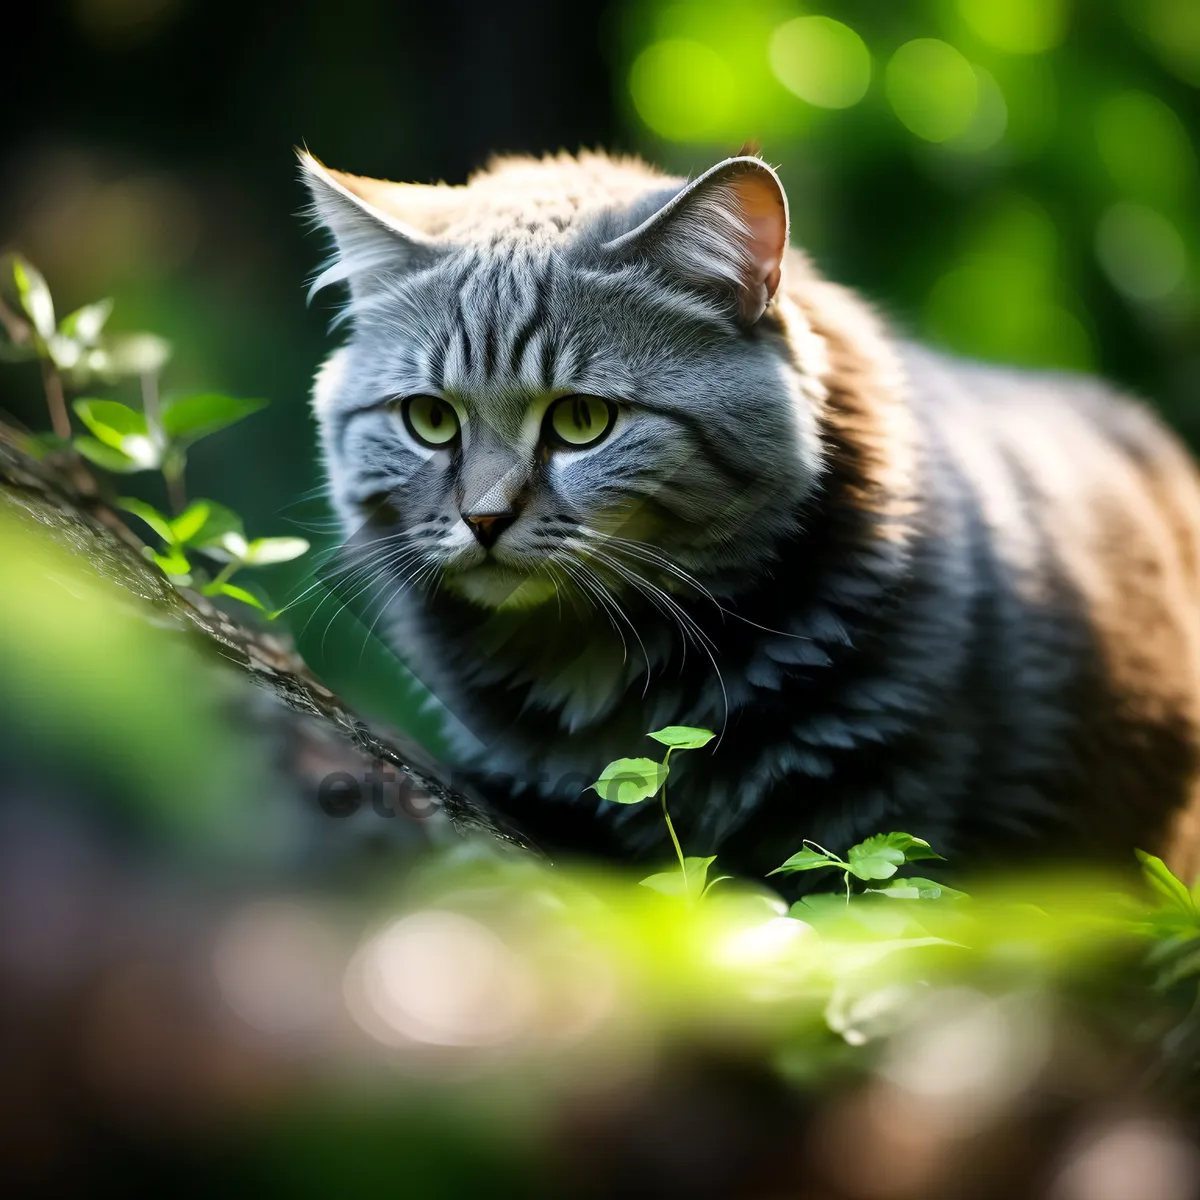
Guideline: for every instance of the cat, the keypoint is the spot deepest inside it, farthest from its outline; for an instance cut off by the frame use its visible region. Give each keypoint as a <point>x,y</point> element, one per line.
<point>610,455</point>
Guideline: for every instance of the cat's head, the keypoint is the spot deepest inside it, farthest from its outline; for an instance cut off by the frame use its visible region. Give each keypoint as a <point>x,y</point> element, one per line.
<point>566,373</point>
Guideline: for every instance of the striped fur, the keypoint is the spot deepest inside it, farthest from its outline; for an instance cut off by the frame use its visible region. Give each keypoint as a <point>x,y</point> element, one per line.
<point>909,592</point>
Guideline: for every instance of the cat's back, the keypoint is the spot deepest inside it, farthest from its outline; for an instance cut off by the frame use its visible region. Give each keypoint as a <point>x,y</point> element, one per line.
<point>1098,471</point>
<point>1089,508</point>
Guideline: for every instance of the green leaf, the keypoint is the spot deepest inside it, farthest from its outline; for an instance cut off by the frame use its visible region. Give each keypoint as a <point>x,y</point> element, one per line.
<point>806,860</point>
<point>32,294</point>
<point>142,450</point>
<point>263,551</point>
<point>1185,966</point>
<point>64,353</point>
<point>189,522</point>
<point>912,848</point>
<point>879,864</point>
<point>112,422</point>
<point>1164,882</point>
<point>150,515</point>
<point>915,848</point>
<point>878,857</point>
<point>914,888</point>
<point>121,427</point>
<point>221,525</point>
<point>173,562</point>
<point>105,456</point>
<point>631,780</point>
<point>85,324</point>
<point>862,956</point>
<point>683,737</point>
<point>194,417</point>
<point>818,905</point>
<point>674,883</point>
<point>231,546</point>
<point>236,593</point>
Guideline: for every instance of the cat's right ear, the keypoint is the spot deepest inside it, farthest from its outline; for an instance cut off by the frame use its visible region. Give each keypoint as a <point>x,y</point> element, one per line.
<point>726,231</point>
<point>371,245</point>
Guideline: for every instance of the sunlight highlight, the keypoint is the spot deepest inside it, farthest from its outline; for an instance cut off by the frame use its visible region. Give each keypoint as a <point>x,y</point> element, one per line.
<point>932,89</point>
<point>1141,251</point>
<point>1017,26</point>
<point>439,978</point>
<point>683,90</point>
<point>822,61</point>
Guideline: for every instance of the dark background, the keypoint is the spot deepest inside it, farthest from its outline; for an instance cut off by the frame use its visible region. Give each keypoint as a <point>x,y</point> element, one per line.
<point>148,156</point>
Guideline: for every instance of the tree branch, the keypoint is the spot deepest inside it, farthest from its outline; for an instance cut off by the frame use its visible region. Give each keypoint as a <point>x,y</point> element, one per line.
<point>313,716</point>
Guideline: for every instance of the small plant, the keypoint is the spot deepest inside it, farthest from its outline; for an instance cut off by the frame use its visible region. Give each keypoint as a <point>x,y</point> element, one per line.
<point>77,352</point>
<point>208,528</point>
<point>1175,924</point>
<point>633,780</point>
<point>871,861</point>
<point>158,437</point>
<point>878,858</point>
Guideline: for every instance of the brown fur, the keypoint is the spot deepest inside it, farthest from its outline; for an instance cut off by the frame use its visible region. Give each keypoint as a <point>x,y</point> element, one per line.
<point>1127,530</point>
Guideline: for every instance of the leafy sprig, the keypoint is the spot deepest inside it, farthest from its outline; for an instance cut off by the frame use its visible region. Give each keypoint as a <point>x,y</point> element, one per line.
<point>78,351</point>
<point>127,440</point>
<point>215,531</point>
<point>874,860</point>
<point>633,780</point>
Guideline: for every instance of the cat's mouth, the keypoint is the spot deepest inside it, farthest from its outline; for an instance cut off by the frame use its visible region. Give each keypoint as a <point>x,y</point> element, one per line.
<point>496,585</point>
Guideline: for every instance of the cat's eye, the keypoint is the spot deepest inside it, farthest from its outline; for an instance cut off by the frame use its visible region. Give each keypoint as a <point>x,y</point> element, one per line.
<point>430,419</point>
<point>578,421</point>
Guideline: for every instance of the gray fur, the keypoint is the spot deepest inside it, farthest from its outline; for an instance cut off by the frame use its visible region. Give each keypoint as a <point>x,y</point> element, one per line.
<point>916,642</point>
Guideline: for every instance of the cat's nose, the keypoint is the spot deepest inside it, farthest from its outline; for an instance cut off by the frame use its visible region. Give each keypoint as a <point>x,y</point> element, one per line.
<point>487,527</point>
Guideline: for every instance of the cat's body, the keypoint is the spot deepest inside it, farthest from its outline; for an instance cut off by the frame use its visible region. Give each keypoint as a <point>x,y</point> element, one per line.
<point>907,592</point>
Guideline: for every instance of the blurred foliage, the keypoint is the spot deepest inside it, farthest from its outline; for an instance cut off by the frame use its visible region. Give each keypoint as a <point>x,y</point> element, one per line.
<point>1010,179</point>
<point>117,692</point>
<point>114,703</point>
<point>445,1019</point>
<point>125,440</point>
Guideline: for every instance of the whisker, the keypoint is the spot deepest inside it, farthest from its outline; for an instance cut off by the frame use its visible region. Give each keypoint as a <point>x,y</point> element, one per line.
<point>356,556</point>
<point>608,603</point>
<point>615,601</point>
<point>362,579</point>
<point>658,557</point>
<point>683,620</point>
<point>322,491</point>
<point>386,602</point>
<point>653,555</point>
<point>654,593</point>
<point>330,582</point>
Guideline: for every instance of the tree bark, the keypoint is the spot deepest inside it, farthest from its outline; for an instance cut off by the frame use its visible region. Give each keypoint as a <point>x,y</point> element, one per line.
<point>323,733</point>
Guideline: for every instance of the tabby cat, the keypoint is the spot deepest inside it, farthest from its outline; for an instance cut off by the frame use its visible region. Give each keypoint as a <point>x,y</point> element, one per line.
<point>610,456</point>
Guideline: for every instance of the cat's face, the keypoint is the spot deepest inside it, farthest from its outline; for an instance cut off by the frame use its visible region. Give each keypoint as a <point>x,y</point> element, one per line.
<point>559,411</point>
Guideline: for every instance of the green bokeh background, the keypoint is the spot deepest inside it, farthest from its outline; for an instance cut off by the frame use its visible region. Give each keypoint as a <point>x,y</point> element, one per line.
<point>1016,180</point>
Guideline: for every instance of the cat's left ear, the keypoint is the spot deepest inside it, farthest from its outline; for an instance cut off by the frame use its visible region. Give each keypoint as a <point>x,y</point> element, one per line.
<point>372,242</point>
<point>728,230</point>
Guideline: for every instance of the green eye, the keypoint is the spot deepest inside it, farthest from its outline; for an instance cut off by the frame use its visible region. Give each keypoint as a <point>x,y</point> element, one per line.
<point>430,419</point>
<point>579,421</point>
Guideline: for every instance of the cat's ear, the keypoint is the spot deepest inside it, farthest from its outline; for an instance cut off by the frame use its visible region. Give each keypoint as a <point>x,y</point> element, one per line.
<point>728,229</point>
<point>371,243</point>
